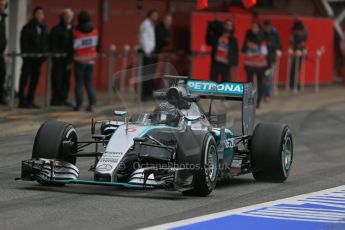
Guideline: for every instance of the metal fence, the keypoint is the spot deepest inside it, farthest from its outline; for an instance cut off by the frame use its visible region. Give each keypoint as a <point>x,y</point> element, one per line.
<point>300,58</point>
<point>135,58</point>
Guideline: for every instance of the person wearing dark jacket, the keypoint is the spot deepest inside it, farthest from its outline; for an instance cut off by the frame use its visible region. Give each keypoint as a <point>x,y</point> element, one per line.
<point>299,36</point>
<point>274,46</point>
<point>86,43</point>
<point>224,53</point>
<point>61,42</point>
<point>3,44</point>
<point>255,57</point>
<point>33,40</point>
<point>163,34</point>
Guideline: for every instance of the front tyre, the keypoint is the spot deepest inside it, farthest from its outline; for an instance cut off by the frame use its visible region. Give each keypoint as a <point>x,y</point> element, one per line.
<point>272,152</point>
<point>49,144</point>
<point>205,178</point>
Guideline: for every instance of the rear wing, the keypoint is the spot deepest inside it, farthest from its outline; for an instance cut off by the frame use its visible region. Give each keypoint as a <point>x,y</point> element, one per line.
<point>234,91</point>
<point>213,90</point>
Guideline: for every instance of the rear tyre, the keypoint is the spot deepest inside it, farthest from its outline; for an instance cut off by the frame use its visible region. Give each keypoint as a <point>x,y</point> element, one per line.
<point>49,143</point>
<point>205,178</point>
<point>272,152</point>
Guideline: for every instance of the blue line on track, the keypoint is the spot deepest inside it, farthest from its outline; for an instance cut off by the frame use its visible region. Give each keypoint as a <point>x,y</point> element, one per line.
<point>314,211</point>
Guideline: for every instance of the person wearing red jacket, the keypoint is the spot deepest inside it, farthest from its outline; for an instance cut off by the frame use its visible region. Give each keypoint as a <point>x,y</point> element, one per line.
<point>86,38</point>
<point>224,53</point>
<point>255,57</point>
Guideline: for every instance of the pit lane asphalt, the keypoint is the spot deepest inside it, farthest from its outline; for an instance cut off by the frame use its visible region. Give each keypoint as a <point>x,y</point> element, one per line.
<point>319,163</point>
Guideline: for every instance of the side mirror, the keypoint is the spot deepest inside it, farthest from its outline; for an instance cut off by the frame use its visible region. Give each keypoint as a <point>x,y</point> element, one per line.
<point>159,95</point>
<point>124,114</point>
<point>139,139</point>
<point>119,113</point>
<point>193,118</point>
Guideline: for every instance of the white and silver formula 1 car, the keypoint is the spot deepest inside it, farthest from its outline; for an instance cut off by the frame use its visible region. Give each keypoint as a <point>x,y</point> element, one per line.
<point>178,146</point>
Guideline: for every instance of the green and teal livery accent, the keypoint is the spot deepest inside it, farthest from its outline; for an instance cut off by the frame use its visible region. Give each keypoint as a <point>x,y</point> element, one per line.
<point>229,145</point>
<point>150,128</point>
<point>92,182</point>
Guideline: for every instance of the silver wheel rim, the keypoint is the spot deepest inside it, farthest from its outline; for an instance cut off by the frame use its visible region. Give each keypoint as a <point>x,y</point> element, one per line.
<point>287,153</point>
<point>211,163</point>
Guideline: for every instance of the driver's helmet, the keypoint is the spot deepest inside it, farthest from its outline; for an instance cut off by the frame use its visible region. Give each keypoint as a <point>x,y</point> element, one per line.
<point>167,114</point>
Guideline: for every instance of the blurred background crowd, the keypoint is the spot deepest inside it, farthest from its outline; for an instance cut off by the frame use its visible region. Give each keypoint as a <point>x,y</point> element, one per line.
<point>57,48</point>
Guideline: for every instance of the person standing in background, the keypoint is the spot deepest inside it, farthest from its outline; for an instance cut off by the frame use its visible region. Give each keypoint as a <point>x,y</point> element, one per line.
<point>299,36</point>
<point>163,33</point>
<point>33,40</point>
<point>224,53</point>
<point>342,53</point>
<point>86,42</point>
<point>3,44</point>
<point>274,47</point>
<point>147,42</point>
<point>255,61</point>
<point>61,42</point>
